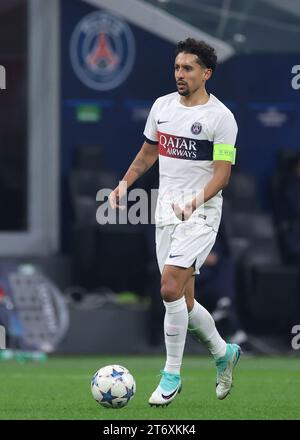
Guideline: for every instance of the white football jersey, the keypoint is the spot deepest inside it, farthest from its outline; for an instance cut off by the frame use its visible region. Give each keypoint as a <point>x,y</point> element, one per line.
<point>185,138</point>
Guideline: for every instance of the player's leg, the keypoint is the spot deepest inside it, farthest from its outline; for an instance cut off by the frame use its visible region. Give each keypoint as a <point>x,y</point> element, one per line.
<point>173,281</point>
<point>189,293</point>
<point>202,325</point>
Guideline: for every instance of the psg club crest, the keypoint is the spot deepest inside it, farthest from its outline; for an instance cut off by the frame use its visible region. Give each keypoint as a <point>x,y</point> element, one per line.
<point>196,128</point>
<point>102,51</point>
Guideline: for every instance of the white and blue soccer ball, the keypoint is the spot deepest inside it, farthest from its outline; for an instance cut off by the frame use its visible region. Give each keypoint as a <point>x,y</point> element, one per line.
<point>113,386</point>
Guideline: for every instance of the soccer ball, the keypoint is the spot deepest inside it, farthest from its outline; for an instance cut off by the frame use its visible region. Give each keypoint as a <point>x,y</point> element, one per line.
<point>113,386</point>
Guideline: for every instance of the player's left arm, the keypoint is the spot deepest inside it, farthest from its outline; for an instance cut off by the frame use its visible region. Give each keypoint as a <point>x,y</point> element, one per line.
<point>220,179</point>
<point>223,158</point>
<point>221,176</point>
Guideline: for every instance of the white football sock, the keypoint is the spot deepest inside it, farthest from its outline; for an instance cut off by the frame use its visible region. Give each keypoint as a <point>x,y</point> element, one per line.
<point>175,328</point>
<point>202,325</point>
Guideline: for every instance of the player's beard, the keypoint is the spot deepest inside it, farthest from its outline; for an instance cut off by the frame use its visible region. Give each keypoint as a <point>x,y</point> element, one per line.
<point>185,92</point>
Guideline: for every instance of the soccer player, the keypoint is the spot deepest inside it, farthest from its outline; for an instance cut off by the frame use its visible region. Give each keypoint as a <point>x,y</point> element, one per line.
<point>193,134</point>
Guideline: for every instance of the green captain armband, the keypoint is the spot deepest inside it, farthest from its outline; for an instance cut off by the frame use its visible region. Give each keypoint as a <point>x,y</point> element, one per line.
<point>224,152</point>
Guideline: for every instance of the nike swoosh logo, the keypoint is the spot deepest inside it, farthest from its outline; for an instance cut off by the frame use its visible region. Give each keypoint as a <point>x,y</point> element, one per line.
<point>174,256</point>
<point>161,122</point>
<point>171,335</point>
<point>170,395</point>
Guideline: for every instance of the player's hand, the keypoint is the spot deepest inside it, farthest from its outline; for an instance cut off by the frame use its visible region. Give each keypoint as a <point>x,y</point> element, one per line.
<point>115,196</point>
<point>183,213</point>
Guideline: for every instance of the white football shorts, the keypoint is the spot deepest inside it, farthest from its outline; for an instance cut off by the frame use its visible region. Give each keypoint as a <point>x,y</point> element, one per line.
<point>184,245</point>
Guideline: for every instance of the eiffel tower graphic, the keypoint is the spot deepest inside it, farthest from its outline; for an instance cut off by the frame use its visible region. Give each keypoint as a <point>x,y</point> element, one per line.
<point>102,54</point>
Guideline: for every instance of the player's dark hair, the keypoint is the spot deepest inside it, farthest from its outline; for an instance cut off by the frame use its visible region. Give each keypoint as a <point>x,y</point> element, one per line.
<point>206,54</point>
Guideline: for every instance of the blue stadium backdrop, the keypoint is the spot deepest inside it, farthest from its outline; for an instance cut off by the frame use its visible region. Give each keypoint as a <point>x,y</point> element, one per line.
<point>108,106</point>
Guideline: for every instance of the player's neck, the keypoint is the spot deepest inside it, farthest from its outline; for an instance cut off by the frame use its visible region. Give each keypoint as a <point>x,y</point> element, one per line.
<point>200,97</point>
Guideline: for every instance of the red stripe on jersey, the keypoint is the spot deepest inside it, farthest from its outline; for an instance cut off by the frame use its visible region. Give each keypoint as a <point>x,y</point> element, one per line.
<point>179,147</point>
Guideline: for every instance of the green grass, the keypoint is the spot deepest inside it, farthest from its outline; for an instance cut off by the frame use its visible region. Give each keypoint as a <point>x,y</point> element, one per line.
<point>265,388</point>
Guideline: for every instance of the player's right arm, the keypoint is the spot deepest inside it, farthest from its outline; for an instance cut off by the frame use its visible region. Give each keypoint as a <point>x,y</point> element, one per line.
<point>144,160</point>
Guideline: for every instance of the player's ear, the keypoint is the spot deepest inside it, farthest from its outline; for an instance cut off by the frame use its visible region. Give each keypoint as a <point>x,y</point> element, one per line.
<point>207,74</point>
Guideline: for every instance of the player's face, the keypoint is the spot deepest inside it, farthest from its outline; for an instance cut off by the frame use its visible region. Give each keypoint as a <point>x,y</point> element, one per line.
<point>189,75</point>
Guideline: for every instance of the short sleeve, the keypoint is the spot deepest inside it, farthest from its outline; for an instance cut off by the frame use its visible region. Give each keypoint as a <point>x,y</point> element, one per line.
<point>225,138</point>
<point>226,130</point>
<point>150,131</point>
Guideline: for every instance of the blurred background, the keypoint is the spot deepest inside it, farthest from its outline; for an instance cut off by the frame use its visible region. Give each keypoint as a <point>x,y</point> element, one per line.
<point>81,76</point>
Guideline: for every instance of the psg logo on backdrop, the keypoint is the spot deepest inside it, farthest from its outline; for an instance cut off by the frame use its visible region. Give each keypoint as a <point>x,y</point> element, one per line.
<point>196,128</point>
<point>102,51</point>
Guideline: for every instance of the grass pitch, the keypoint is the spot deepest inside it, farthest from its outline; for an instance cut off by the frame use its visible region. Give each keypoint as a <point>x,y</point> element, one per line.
<point>59,388</point>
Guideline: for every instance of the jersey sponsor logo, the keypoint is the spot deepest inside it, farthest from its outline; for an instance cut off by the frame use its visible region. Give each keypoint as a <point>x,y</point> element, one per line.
<point>196,128</point>
<point>102,51</point>
<point>184,148</point>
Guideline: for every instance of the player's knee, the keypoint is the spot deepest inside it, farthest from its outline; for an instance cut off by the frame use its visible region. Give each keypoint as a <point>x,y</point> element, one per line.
<point>169,290</point>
